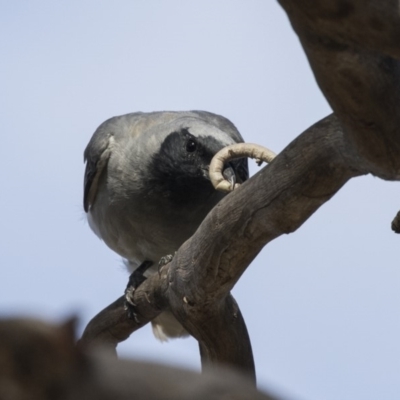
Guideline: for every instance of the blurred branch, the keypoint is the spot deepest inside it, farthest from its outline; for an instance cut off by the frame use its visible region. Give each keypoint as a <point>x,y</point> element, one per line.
<point>40,361</point>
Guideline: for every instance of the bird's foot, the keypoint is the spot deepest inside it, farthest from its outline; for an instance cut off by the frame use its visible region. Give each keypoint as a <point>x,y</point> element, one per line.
<point>129,305</point>
<point>135,280</point>
<point>164,261</point>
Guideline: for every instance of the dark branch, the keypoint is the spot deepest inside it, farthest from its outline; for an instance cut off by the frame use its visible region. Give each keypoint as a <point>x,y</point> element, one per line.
<point>396,223</point>
<point>196,285</point>
<point>353,47</point>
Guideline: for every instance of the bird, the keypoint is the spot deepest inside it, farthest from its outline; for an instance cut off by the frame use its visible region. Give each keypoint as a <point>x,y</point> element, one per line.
<point>147,188</point>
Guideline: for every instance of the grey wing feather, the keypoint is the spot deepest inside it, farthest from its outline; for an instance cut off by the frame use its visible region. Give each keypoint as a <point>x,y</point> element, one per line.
<point>98,151</point>
<point>96,156</point>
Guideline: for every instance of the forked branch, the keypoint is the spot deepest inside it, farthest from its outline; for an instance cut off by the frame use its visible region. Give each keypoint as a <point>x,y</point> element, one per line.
<point>196,285</point>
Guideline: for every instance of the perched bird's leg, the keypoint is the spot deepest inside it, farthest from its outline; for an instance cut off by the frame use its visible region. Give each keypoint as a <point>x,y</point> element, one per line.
<point>135,279</point>
<point>164,261</point>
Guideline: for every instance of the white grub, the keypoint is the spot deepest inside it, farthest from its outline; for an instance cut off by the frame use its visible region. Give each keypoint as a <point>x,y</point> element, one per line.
<point>235,151</point>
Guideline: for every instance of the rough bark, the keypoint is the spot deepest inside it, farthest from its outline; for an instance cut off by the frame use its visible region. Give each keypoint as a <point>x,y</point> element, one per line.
<point>353,48</point>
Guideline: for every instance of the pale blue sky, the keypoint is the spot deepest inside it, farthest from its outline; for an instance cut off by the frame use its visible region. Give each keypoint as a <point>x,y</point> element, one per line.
<point>321,305</point>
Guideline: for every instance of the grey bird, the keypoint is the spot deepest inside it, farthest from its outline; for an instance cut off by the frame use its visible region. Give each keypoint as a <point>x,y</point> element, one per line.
<point>147,189</point>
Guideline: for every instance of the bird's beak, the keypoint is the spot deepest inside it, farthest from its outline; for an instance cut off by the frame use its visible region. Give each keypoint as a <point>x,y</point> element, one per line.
<point>229,175</point>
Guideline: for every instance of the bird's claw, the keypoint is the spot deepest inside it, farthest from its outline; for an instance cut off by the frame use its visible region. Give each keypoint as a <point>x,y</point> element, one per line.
<point>135,280</point>
<point>129,305</point>
<point>129,292</point>
<point>164,261</point>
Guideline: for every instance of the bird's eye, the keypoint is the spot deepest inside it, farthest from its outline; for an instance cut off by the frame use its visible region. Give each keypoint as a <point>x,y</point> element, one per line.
<point>191,145</point>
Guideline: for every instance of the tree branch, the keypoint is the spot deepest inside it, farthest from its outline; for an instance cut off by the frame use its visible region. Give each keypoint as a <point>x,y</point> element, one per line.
<point>396,223</point>
<point>196,285</point>
<point>353,47</point>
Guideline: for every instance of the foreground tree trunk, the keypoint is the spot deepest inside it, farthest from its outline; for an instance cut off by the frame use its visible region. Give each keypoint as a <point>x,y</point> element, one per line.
<point>352,47</point>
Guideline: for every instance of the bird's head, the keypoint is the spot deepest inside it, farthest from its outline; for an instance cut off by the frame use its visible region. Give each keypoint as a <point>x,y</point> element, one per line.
<point>180,166</point>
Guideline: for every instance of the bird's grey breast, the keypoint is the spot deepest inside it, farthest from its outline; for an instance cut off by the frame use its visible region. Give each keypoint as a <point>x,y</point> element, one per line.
<point>139,198</point>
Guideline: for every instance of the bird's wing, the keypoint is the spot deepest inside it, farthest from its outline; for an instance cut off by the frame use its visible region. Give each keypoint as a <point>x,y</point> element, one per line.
<point>96,156</point>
